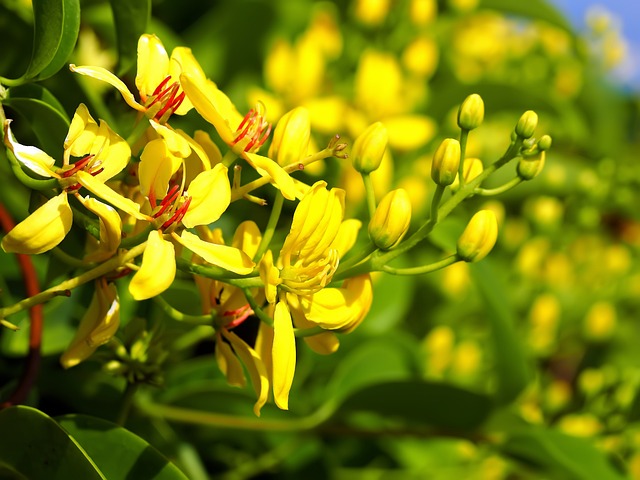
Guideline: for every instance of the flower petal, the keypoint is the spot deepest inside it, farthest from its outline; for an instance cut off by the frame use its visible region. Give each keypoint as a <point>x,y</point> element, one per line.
<point>229,364</point>
<point>229,258</point>
<point>110,229</point>
<point>255,367</point>
<point>98,325</point>
<point>157,166</point>
<point>44,229</point>
<point>279,177</point>
<point>247,237</point>
<point>210,194</point>
<point>31,157</point>
<point>153,65</point>
<point>82,133</point>
<point>105,75</point>
<point>283,354</point>
<point>99,189</point>
<point>158,268</point>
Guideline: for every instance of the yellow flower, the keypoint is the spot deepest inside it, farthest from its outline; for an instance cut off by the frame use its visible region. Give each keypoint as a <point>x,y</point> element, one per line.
<point>297,283</point>
<point>244,135</point>
<point>156,79</point>
<point>103,155</point>
<point>98,325</point>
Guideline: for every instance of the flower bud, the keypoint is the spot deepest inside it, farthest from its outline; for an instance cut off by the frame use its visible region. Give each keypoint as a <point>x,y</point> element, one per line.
<point>527,124</point>
<point>530,166</point>
<point>479,237</point>
<point>391,219</point>
<point>369,148</point>
<point>544,143</point>
<point>471,168</point>
<point>291,137</point>
<point>471,112</point>
<point>446,161</point>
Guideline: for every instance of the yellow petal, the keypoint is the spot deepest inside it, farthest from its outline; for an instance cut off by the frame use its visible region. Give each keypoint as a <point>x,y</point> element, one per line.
<point>175,142</point>
<point>222,256</point>
<point>247,237</point>
<point>270,276</point>
<point>110,229</point>
<point>255,367</point>
<point>31,157</point>
<point>347,236</point>
<point>157,166</point>
<point>153,65</point>
<point>98,325</point>
<point>280,179</point>
<point>158,268</point>
<point>82,133</point>
<point>105,75</point>
<point>114,158</point>
<point>214,106</point>
<point>99,189</point>
<point>324,343</point>
<point>229,364</point>
<point>210,194</point>
<point>340,308</point>
<point>283,354</point>
<point>45,228</point>
<point>182,60</point>
<point>209,147</point>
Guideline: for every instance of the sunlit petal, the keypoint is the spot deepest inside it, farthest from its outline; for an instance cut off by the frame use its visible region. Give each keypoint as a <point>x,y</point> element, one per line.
<point>210,194</point>
<point>158,268</point>
<point>229,258</point>
<point>105,75</point>
<point>153,65</point>
<point>283,354</point>
<point>99,189</point>
<point>31,157</point>
<point>279,177</point>
<point>110,229</point>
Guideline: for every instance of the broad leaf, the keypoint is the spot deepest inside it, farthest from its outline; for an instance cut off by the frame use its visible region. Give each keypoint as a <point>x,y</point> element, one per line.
<point>560,456</point>
<point>56,23</point>
<point>32,445</point>
<point>118,453</point>
<point>130,20</point>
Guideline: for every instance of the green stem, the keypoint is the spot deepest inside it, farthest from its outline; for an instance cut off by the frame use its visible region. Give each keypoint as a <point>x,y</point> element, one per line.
<point>435,203</point>
<point>271,227</point>
<point>261,314</point>
<point>229,158</point>
<point>183,317</point>
<point>64,287</point>
<point>127,402</point>
<point>26,180</point>
<point>488,192</point>
<point>464,136</point>
<point>217,273</point>
<point>11,82</point>
<point>218,420</point>
<point>432,267</point>
<point>355,259</point>
<point>371,197</point>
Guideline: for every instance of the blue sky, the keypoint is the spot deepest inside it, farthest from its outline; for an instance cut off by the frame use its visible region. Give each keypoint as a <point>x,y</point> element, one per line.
<point>627,14</point>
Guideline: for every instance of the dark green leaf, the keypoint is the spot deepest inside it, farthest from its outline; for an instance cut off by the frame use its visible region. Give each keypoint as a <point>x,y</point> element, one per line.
<point>118,453</point>
<point>33,446</point>
<point>44,115</point>
<point>57,23</point>
<point>512,370</point>
<point>130,20</point>
<point>424,403</point>
<point>559,455</point>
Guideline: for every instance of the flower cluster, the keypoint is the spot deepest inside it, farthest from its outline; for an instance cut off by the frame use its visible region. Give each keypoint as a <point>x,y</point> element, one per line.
<point>154,207</point>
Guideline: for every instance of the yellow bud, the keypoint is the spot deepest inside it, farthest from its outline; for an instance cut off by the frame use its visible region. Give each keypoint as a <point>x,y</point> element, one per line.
<point>471,112</point>
<point>600,322</point>
<point>291,137</point>
<point>527,124</point>
<point>391,219</point>
<point>369,148</point>
<point>471,168</point>
<point>479,237</point>
<point>530,167</point>
<point>446,161</point>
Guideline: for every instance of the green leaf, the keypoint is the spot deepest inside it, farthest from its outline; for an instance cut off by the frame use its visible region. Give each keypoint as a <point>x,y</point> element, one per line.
<point>130,20</point>
<point>559,455</point>
<point>512,369</point>
<point>57,23</point>
<point>43,114</point>
<point>32,445</point>
<point>426,403</point>
<point>118,453</point>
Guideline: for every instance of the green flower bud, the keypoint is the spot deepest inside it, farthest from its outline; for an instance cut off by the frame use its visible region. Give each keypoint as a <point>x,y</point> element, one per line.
<point>291,137</point>
<point>446,161</point>
<point>530,167</point>
<point>471,168</point>
<point>391,219</point>
<point>369,148</point>
<point>544,143</point>
<point>527,124</point>
<point>471,112</point>
<point>479,237</point>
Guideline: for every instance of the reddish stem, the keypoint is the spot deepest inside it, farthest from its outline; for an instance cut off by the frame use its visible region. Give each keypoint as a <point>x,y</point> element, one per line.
<point>32,288</point>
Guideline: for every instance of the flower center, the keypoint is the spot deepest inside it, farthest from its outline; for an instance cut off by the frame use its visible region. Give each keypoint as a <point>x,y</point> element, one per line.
<point>172,207</point>
<point>167,99</point>
<point>253,131</point>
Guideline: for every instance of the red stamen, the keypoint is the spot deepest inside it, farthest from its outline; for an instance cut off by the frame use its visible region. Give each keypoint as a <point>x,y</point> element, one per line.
<point>237,321</point>
<point>168,200</point>
<point>161,86</point>
<point>79,165</point>
<point>178,215</point>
